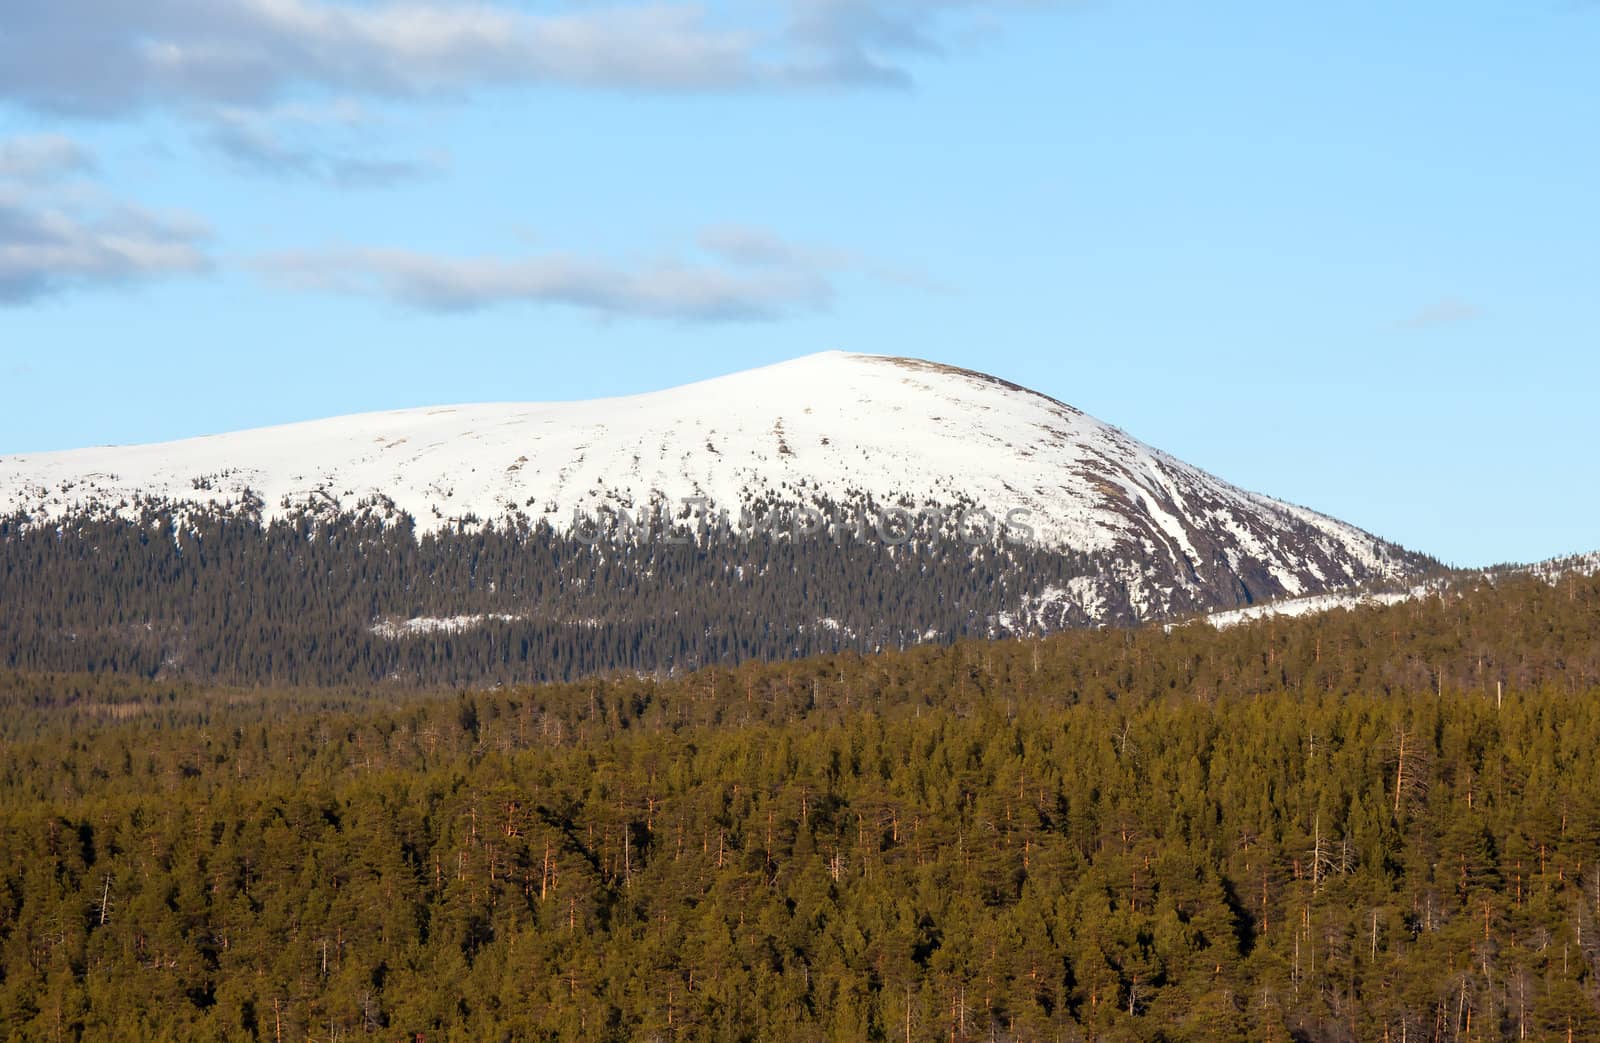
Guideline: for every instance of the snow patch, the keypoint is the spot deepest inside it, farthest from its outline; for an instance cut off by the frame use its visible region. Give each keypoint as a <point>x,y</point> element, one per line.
<point>395,629</point>
<point>1313,605</point>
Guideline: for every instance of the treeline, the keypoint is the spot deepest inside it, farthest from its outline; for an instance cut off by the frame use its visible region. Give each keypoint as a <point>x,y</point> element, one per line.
<point>1377,824</point>
<point>222,597</point>
<point>323,599</point>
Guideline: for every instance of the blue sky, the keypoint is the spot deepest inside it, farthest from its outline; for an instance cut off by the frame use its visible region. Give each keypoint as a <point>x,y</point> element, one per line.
<point>1342,254</point>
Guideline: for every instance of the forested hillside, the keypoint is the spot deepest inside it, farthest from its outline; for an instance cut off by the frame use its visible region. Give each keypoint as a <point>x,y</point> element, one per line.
<point>1379,824</point>
<point>325,600</point>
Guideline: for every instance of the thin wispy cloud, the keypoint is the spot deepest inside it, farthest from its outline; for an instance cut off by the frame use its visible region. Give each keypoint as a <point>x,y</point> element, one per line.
<point>47,247</point>
<point>761,247</point>
<point>733,273</point>
<point>329,149</point>
<point>1447,311</point>
<point>868,41</point>
<point>42,157</point>
<point>689,289</point>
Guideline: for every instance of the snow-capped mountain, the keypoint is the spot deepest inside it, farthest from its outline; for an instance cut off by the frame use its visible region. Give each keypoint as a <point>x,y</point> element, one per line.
<point>833,428</point>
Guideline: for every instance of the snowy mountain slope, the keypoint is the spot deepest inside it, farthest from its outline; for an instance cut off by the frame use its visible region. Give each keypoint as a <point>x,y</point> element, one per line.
<point>1315,604</point>
<point>1551,571</point>
<point>830,428</point>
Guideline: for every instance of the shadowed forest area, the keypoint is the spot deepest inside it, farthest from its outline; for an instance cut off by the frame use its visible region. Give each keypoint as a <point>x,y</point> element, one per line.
<point>1379,824</point>
<point>310,600</point>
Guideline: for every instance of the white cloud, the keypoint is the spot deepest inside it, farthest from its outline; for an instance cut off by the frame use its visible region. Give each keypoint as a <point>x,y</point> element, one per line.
<point>48,246</point>
<point>58,233</point>
<point>695,290</point>
<point>105,57</point>
<point>759,247</point>
<point>41,157</point>
<point>739,273</point>
<point>1446,311</point>
<point>323,145</point>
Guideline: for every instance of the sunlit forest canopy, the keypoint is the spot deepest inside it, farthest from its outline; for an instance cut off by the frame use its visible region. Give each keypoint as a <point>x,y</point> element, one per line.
<point>1335,828</point>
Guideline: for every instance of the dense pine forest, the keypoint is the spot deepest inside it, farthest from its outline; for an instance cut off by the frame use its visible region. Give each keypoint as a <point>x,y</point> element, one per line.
<point>303,601</point>
<point>1373,825</point>
<point>324,599</point>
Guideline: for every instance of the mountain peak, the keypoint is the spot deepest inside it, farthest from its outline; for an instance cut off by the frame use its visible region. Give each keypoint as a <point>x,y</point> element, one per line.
<point>830,428</point>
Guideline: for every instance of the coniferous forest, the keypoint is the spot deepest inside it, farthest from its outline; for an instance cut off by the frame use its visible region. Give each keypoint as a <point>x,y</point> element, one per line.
<point>323,599</point>
<point>1380,824</point>
<point>302,600</point>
